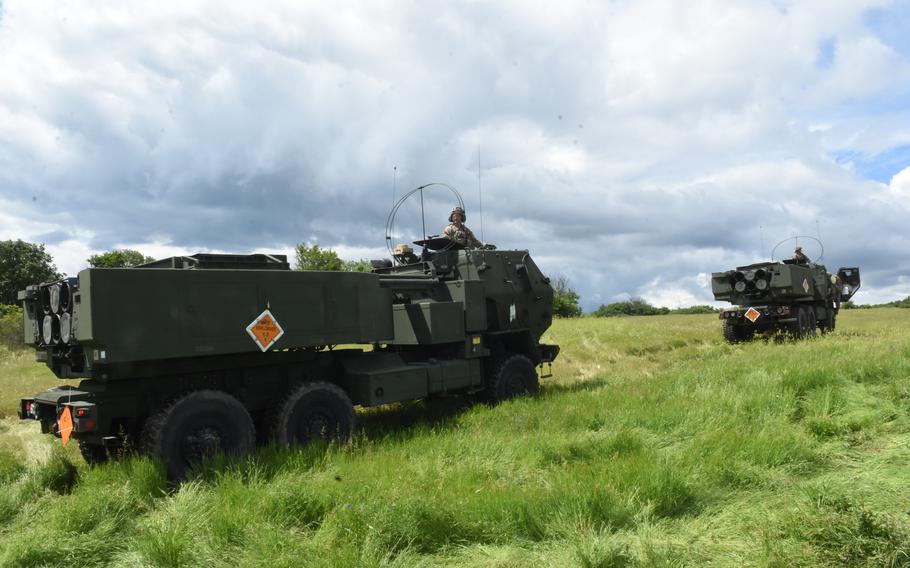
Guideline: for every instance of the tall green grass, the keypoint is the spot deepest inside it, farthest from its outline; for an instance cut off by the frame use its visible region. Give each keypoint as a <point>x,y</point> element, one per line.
<point>654,444</point>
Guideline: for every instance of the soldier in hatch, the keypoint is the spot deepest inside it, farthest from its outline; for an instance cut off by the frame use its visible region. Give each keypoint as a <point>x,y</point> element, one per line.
<point>459,232</point>
<point>799,257</point>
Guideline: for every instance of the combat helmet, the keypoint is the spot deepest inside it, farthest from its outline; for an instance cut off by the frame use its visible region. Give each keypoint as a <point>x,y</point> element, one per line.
<point>464,216</point>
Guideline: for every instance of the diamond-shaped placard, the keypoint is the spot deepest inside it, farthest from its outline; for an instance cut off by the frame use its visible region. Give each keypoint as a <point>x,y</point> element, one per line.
<point>752,314</point>
<point>806,285</point>
<point>65,425</point>
<point>265,330</point>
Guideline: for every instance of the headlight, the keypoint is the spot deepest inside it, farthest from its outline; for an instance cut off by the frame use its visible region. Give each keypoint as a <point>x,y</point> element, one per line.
<point>740,286</point>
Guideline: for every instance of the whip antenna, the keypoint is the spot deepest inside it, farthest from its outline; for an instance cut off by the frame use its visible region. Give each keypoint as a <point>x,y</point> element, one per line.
<point>761,231</point>
<point>423,218</point>
<point>394,182</point>
<point>480,196</point>
<point>388,236</point>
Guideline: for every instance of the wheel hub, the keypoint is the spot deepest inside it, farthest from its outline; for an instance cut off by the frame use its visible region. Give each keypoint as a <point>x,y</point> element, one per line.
<point>203,442</point>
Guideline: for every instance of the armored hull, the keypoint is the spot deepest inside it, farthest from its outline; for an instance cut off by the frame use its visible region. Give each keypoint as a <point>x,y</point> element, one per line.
<point>782,296</point>
<point>260,343</point>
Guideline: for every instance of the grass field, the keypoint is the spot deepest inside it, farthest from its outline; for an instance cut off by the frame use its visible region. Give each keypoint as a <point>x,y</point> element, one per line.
<point>655,444</point>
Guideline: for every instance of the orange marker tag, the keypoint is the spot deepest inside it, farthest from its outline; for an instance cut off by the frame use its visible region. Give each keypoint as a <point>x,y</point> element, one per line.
<point>65,424</point>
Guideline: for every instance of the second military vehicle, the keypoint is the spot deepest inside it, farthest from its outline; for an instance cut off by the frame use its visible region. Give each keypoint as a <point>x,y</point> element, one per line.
<point>794,296</point>
<point>189,356</point>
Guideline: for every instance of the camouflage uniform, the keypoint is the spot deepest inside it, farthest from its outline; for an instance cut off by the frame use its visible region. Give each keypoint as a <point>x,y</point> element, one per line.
<point>799,257</point>
<point>461,235</point>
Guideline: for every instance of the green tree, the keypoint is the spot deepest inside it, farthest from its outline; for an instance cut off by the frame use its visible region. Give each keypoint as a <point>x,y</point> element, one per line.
<point>362,265</point>
<point>21,264</point>
<point>119,258</point>
<point>11,334</point>
<point>633,307</point>
<point>565,299</point>
<point>316,258</point>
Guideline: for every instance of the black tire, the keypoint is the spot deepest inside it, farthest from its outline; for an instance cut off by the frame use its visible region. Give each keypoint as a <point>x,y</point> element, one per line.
<point>830,322</point>
<point>804,326</point>
<point>737,333</point>
<point>811,321</point>
<point>93,454</point>
<point>315,410</point>
<point>197,426</point>
<point>509,377</point>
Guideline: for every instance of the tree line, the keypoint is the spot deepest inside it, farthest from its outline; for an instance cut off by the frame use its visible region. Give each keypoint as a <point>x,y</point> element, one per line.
<point>23,263</point>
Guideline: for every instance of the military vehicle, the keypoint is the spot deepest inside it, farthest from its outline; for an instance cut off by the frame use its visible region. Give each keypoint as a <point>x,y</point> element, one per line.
<point>193,355</point>
<point>797,297</point>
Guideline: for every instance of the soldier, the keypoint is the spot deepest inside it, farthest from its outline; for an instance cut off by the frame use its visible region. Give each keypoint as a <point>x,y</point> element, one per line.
<point>459,232</point>
<point>799,257</point>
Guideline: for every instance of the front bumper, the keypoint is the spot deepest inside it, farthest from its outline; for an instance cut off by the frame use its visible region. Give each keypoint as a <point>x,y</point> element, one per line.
<point>758,316</point>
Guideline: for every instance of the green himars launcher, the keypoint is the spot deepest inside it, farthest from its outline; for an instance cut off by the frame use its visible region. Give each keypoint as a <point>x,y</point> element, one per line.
<point>189,356</point>
<point>798,298</point>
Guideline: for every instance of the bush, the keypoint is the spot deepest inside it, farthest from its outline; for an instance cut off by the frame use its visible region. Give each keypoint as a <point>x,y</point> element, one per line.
<point>633,307</point>
<point>11,327</point>
<point>695,310</point>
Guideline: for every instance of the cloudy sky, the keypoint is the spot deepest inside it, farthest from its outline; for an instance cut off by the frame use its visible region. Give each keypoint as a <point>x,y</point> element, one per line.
<point>633,147</point>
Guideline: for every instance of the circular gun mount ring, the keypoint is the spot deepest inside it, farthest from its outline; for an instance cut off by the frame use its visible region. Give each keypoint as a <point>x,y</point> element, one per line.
<point>796,239</point>
<point>390,221</point>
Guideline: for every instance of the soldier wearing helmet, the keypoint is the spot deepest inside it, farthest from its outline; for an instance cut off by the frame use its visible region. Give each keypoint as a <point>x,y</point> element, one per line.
<point>799,257</point>
<point>459,232</point>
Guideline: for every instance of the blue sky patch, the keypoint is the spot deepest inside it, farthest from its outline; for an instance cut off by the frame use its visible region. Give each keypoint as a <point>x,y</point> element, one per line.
<point>892,26</point>
<point>826,52</point>
<point>879,167</point>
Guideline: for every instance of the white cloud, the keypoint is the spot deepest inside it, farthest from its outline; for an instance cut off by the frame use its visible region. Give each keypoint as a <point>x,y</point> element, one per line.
<point>624,144</point>
<point>900,187</point>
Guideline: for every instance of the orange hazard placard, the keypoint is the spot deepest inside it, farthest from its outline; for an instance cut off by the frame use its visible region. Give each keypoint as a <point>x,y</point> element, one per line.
<point>65,424</point>
<point>752,314</point>
<point>265,330</point>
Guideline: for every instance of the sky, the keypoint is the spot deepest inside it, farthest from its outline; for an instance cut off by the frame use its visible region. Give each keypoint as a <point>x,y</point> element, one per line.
<point>632,146</point>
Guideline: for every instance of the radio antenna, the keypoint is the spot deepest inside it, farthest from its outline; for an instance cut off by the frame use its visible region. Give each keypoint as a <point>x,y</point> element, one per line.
<point>761,231</point>
<point>394,183</point>
<point>818,232</point>
<point>388,236</point>
<point>480,195</point>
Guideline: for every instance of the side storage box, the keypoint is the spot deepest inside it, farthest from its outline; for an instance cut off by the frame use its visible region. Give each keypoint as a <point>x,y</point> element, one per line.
<point>371,379</point>
<point>428,323</point>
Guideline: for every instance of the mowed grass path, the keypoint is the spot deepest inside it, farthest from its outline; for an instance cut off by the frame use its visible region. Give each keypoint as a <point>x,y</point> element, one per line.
<point>655,444</point>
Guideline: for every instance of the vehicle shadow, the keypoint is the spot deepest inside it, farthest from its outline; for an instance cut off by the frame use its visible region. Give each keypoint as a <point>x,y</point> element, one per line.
<point>402,420</point>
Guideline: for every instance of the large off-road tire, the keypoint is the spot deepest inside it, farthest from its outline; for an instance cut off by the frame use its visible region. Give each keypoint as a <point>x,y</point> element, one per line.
<point>830,322</point>
<point>93,454</point>
<point>737,333</point>
<point>196,426</point>
<point>315,410</point>
<point>510,376</point>
<point>805,323</point>
<point>811,321</point>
